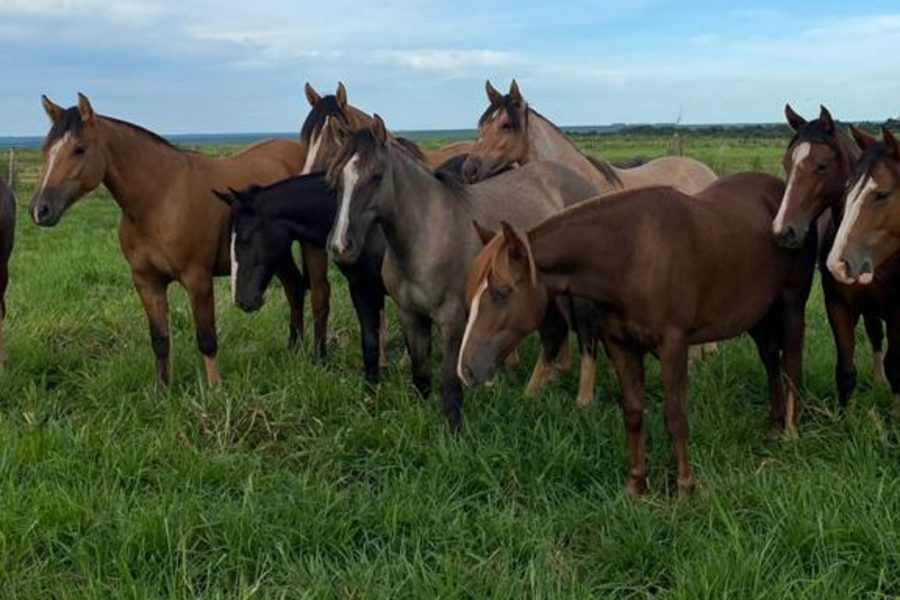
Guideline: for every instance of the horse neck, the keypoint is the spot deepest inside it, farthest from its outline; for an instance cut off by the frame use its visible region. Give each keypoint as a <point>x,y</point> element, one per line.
<point>557,259</point>
<point>139,170</point>
<point>409,220</point>
<point>304,211</point>
<point>849,153</point>
<point>547,142</point>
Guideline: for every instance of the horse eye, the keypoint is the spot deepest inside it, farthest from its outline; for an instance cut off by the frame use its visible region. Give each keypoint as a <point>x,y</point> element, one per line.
<point>507,126</point>
<point>79,150</point>
<point>501,293</point>
<point>882,195</point>
<point>821,167</point>
<point>377,178</point>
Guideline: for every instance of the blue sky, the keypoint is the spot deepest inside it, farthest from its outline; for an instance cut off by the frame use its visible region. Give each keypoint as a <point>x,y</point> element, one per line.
<point>192,66</point>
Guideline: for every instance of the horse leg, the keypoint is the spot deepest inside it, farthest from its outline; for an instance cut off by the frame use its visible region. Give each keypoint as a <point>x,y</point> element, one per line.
<point>315,259</point>
<point>369,309</point>
<point>629,365</point>
<point>203,307</point>
<point>553,331</point>
<point>793,330</point>
<point>875,334</point>
<point>452,392</point>
<point>673,358</point>
<point>417,332</point>
<point>295,291</point>
<point>588,333</point>
<point>153,294</point>
<point>892,358</point>
<point>4,282</point>
<point>843,323</point>
<point>768,345</point>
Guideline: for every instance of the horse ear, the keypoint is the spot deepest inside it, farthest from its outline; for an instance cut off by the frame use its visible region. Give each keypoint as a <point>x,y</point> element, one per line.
<point>826,119</point>
<point>520,248</point>
<point>52,109</point>
<point>793,119</point>
<point>379,129</point>
<point>493,95</point>
<point>891,142</point>
<point>484,234</point>
<point>85,108</point>
<point>225,197</point>
<point>240,199</point>
<point>312,96</point>
<point>341,95</point>
<point>863,139</point>
<point>514,92</point>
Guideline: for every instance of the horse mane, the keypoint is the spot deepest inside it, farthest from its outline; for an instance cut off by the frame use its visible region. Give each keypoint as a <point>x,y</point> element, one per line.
<point>326,107</point>
<point>605,168</point>
<point>511,107</point>
<point>70,121</point>
<point>411,147</point>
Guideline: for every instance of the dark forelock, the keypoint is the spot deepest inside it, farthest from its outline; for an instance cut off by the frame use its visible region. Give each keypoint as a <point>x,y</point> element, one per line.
<point>507,104</point>
<point>326,107</point>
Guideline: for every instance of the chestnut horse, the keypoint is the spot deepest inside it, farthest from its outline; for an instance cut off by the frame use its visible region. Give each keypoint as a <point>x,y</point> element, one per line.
<point>866,251</point>
<point>818,161</point>
<point>666,270</point>
<point>427,222</point>
<point>511,132</point>
<point>321,135</point>
<point>173,228</point>
<point>7,239</point>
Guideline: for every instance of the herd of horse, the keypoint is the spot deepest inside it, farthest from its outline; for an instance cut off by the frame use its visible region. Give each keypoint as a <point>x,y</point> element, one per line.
<point>491,240</point>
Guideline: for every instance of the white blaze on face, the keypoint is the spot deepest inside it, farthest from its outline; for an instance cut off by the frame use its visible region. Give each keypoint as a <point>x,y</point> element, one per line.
<point>349,177</point>
<point>800,154</point>
<point>855,198</point>
<point>234,267</point>
<point>473,316</point>
<point>313,151</point>
<point>52,156</point>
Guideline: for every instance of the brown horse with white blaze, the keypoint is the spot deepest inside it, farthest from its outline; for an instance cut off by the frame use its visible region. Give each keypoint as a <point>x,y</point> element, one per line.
<point>666,270</point>
<point>172,227</point>
<point>819,161</point>
<point>866,250</point>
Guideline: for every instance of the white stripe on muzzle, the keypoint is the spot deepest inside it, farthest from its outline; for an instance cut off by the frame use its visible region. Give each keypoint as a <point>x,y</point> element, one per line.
<point>851,213</point>
<point>800,154</point>
<point>349,178</point>
<point>313,151</point>
<point>52,155</point>
<point>473,316</point>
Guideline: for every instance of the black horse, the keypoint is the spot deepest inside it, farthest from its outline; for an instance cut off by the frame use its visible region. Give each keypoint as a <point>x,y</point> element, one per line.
<point>7,235</point>
<point>265,223</point>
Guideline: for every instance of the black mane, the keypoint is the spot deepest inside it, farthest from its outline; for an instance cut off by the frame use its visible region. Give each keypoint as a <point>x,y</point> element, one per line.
<point>326,107</point>
<point>508,104</point>
<point>70,122</point>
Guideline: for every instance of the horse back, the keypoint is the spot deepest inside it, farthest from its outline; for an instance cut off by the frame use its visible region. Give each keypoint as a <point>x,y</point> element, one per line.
<point>7,223</point>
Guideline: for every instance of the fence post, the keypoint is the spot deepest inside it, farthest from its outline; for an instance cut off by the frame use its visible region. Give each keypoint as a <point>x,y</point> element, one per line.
<point>11,179</point>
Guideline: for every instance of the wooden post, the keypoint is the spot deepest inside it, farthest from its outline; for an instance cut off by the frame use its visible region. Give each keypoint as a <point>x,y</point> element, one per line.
<point>11,179</point>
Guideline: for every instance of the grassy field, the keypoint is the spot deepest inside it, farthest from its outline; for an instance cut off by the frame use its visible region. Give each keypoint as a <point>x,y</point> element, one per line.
<point>291,481</point>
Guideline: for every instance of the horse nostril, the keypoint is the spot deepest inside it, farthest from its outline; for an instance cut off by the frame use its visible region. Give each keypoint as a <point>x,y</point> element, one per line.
<point>469,374</point>
<point>43,211</point>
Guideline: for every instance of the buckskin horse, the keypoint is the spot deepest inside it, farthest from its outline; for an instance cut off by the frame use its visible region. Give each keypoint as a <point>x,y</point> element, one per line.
<point>818,161</point>
<point>427,221</point>
<point>866,251</point>
<point>172,228</point>
<point>666,270</point>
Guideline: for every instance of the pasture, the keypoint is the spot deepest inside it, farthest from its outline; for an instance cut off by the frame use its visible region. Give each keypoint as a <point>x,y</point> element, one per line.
<point>294,480</point>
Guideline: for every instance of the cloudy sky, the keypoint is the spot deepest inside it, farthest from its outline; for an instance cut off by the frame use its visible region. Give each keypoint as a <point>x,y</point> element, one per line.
<point>191,66</point>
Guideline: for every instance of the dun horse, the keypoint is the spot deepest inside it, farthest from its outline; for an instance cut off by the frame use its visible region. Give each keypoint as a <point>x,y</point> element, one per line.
<point>666,270</point>
<point>173,228</point>
<point>866,252</point>
<point>330,116</point>
<point>7,239</point>
<point>818,161</point>
<point>511,132</point>
<point>265,223</point>
<point>427,223</point>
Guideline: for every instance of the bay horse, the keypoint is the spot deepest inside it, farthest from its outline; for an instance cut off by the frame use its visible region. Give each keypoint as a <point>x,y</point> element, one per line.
<point>330,116</point>
<point>266,221</point>
<point>7,241</point>
<point>666,270</point>
<point>426,218</point>
<point>172,228</point>
<point>511,132</point>
<point>866,251</point>
<point>818,162</point>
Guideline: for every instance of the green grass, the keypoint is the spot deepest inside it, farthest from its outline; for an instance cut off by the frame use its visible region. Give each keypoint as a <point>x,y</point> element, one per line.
<point>292,481</point>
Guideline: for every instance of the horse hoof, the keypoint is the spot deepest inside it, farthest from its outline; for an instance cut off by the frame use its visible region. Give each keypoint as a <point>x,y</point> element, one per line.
<point>634,486</point>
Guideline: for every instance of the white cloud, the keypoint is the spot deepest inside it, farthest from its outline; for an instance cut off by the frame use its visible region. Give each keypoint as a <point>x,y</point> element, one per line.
<point>444,60</point>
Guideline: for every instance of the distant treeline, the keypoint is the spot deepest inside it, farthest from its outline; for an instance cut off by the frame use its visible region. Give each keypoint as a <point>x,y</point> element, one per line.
<point>760,130</point>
